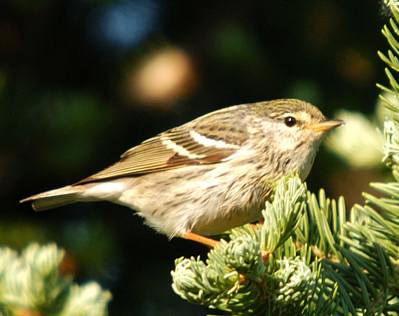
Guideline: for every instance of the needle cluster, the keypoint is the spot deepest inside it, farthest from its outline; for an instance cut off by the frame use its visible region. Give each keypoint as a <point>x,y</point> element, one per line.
<point>312,255</point>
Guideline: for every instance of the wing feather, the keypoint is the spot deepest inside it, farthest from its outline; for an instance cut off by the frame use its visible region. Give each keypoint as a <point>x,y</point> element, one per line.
<point>190,144</point>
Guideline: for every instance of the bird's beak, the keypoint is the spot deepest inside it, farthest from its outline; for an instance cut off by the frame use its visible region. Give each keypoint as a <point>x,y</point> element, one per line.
<point>325,126</point>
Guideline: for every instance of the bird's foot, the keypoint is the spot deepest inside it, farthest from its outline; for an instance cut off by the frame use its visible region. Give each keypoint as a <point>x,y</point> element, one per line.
<point>200,239</point>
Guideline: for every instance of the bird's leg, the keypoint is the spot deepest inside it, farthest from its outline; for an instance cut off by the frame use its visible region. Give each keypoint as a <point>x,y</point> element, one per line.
<point>200,239</point>
<point>260,222</point>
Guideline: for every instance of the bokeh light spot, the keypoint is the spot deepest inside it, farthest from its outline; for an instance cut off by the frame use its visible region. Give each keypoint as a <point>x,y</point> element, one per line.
<point>122,25</point>
<point>162,78</point>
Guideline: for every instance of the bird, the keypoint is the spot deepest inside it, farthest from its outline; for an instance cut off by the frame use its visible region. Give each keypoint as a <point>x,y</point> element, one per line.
<point>209,175</point>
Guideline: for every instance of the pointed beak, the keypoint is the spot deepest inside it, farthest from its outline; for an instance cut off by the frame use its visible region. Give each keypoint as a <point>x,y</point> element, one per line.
<point>325,126</point>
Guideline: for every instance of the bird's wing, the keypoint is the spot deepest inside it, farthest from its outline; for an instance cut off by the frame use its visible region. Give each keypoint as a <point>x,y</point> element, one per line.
<point>194,143</point>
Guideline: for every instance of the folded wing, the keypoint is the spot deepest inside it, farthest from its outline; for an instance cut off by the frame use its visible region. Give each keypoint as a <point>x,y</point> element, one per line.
<point>191,144</point>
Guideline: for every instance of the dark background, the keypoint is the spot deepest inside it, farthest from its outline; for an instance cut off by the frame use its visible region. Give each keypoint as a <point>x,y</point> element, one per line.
<point>81,81</point>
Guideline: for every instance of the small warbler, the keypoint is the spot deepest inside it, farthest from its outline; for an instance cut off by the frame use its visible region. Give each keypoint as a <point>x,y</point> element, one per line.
<point>210,174</point>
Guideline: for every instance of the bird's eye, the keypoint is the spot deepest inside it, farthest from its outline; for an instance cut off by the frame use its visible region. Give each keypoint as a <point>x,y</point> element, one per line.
<point>290,121</point>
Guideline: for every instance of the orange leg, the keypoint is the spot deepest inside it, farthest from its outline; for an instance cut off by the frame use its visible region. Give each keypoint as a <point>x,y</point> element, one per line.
<point>200,239</point>
<point>258,223</point>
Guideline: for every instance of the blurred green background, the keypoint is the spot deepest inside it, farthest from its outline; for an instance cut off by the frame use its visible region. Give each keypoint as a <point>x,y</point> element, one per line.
<point>81,81</point>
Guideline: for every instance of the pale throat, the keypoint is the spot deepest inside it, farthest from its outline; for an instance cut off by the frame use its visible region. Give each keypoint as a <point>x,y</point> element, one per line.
<point>307,157</point>
<point>287,144</point>
<point>301,147</point>
<point>286,139</point>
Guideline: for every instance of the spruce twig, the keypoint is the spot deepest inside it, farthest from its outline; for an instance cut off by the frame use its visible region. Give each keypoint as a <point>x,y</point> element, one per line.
<point>322,259</point>
<point>31,284</point>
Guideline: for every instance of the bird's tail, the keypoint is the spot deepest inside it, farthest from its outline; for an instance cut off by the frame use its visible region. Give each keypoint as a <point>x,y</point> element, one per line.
<point>54,198</point>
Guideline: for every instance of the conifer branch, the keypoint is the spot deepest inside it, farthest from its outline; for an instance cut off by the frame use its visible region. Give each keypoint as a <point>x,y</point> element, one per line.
<point>31,284</point>
<point>311,256</point>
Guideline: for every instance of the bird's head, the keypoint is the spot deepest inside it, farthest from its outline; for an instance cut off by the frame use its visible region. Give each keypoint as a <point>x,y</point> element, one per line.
<point>294,121</point>
<point>292,129</point>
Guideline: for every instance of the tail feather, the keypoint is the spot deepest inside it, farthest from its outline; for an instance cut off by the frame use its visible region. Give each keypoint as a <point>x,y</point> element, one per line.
<point>54,198</point>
